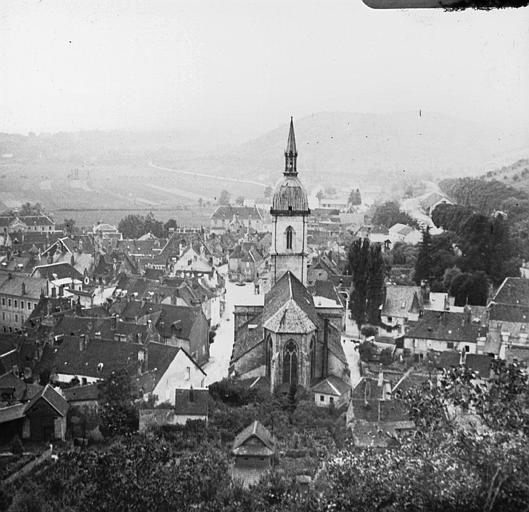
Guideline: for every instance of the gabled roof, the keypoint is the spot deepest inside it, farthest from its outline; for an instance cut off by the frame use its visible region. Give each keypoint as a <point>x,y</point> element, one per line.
<point>12,413</point>
<point>432,199</point>
<point>242,212</point>
<point>444,326</point>
<point>513,290</point>
<point>289,307</point>
<point>33,286</point>
<point>57,271</point>
<point>22,390</point>
<point>254,430</point>
<point>89,392</point>
<point>331,385</point>
<point>400,300</point>
<point>248,336</point>
<point>56,400</point>
<point>509,313</point>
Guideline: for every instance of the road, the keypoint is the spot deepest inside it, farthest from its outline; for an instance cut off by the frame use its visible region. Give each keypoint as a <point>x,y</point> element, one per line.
<point>209,176</point>
<point>220,350</point>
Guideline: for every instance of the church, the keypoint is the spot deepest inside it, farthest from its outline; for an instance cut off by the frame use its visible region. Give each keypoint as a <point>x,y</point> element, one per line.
<point>295,337</point>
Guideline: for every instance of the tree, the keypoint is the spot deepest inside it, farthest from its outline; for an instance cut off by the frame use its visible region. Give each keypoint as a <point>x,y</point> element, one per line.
<point>170,225</point>
<point>154,226</point>
<point>375,285</point>
<point>239,200</point>
<point>388,214</point>
<point>319,195</point>
<point>224,198</point>
<point>118,413</point>
<point>366,265</point>
<point>355,197</point>
<point>470,288</point>
<point>69,226</point>
<point>423,265</point>
<point>132,226</point>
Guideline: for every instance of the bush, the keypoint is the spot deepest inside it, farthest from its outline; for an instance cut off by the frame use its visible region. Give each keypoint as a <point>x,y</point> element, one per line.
<point>16,446</point>
<point>386,357</point>
<point>368,331</point>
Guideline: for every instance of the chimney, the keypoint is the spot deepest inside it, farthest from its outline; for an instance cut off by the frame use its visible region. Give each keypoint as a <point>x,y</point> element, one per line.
<point>425,292</point>
<point>467,312</point>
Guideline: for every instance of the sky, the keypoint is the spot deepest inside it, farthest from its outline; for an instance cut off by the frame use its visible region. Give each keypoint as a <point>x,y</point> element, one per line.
<point>247,65</point>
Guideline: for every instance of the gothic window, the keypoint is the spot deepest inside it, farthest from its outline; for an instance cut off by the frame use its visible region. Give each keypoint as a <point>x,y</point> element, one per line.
<point>290,236</point>
<point>290,363</point>
<point>312,358</point>
<point>269,354</point>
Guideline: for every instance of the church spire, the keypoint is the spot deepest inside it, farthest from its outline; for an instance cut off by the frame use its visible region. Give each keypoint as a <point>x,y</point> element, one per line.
<point>291,153</point>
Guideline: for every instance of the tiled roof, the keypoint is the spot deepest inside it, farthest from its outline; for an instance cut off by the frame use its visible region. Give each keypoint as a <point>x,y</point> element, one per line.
<point>289,307</point>
<point>242,212</point>
<point>22,390</point>
<point>58,271</point>
<point>399,300</point>
<point>255,429</point>
<point>513,290</point>
<point>431,199</point>
<point>449,359</point>
<point>509,313</point>
<point>12,413</point>
<point>36,220</point>
<point>82,393</point>
<point>331,386</point>
<point>192,402</point>
<point>248,338</point>
<point>56,400</point>
<point>480,363</point>
<point>445,326</point>
<point>33,286</point>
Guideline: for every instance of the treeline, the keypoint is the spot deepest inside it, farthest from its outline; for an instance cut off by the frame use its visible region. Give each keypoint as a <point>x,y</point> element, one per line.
<point>134,226</point>
<point>389,213</point>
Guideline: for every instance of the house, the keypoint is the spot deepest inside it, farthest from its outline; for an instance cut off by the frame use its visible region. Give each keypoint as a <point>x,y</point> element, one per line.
<point>401,305</point>
<point>43,418</point>
<point>232,218</point>
<point>321,269</point>
<point>155,368</point>
<point>77,252</point>
<point>508,320</point>
<point>431,201</point>
<point>178,326</point>
<point>444,330</point>
<point>13,222</point>
<point>63,276</point>
<point>193,264</point>
<point>404,234</point>
<point>19,296</point>
<point>376,417</point>
<point>245,261</point>
<point>253,449</point>
<point>331,391</point>
<point>189,405</point>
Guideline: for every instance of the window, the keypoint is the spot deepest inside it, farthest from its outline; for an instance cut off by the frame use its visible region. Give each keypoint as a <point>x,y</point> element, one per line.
<point>16,303</point>
<point>21,304</point>
<point>84,381</point>
<point>16,318</point>
<point>269,355</point>
<point>450,344</point>
<point>9,302</point>
<point>390,319</point>
<point>467,348</point>
<point>331,399</point>
<point>312,358</point>
<point>3,302</point>
<point>289,234</point>
<point>290,363</point>
<point>322,398</point>
<point>188,373</point>
<point>29,305</point>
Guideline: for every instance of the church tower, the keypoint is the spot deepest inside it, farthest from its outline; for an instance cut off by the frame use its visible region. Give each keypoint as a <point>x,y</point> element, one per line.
<point>290,210</point>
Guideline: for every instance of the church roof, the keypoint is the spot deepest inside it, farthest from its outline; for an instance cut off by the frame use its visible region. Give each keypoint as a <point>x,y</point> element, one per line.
<point>289,307</point>
<point>290,197</point>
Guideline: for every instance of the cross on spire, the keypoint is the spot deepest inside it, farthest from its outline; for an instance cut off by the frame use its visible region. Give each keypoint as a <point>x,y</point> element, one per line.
<point>291,153</point>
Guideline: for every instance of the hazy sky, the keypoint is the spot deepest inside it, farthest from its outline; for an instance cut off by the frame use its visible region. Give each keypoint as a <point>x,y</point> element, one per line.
<point>249,64</point>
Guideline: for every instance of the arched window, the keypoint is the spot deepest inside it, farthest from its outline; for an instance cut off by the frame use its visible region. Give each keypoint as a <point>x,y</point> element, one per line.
<point>312,358</point>
<point>268,355</point>
<point>290,363</point>
<point>290,235</point>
